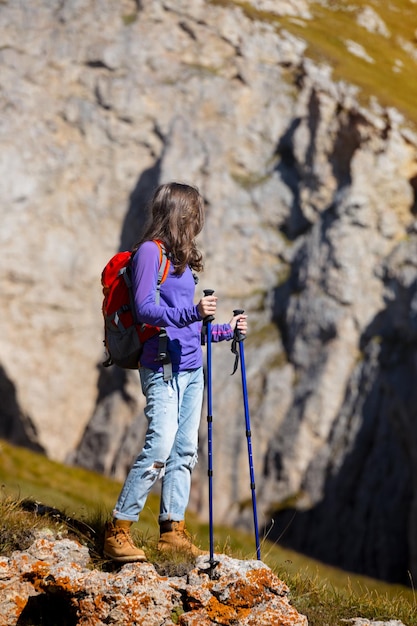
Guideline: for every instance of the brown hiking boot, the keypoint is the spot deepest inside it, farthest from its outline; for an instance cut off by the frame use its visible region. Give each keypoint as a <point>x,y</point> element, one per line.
<point>174,536</point>
<point>118,544</point>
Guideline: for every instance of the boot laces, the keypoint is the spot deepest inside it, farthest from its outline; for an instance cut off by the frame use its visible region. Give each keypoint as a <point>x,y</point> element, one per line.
<point>183,532</point>
<point>122,535</point>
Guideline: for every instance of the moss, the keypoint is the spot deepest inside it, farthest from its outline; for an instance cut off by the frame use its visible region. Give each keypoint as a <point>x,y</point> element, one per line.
<point>263,334</point>
<point>289,502</point>
<point>199,68</point>
<point>129,19</point>
<point>176,614</point>
<point>250,180</point>
<point>248,9</point>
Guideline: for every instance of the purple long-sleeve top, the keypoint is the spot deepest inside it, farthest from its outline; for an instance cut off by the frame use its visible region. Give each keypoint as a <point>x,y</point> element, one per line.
<point>176,312</point>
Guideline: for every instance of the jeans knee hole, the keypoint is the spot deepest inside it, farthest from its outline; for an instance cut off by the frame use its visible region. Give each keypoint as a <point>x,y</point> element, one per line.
<point>193,462</point>
<point>158,468</point>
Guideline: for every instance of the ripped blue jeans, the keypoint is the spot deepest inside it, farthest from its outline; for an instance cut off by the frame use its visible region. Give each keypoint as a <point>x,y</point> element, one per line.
<point>173,411</point>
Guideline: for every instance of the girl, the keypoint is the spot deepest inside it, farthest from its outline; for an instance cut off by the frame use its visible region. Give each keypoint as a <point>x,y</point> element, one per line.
<point>173,407</point>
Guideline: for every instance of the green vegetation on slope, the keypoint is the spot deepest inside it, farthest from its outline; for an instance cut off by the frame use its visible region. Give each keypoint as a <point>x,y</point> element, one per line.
<point>388,75</point>
<point>326,595</point>
<point>391,77</point>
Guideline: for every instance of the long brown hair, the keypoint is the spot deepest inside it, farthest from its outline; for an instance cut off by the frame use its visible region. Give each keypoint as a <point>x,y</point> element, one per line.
<point>177,217</point>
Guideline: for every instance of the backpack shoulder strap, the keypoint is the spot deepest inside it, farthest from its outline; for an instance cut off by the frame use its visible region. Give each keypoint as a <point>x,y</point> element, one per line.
<point>163,354</point>
<point>164,265</point>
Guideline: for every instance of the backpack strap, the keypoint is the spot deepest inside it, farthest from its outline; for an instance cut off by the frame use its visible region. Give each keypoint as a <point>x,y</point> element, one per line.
<point>163,354</point>
<point>164,264</point>
<point>126,273</point>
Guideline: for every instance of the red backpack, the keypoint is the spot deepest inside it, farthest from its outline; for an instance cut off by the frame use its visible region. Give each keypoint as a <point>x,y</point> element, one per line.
<point>124,334</point>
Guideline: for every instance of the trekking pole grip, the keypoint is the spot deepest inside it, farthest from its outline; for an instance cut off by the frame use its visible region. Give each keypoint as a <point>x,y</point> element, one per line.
<point>239,336</point>
<point>208,318</point>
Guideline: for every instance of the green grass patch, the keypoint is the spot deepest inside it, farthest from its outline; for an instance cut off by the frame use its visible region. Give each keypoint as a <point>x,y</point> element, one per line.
<point>78,492</point>
<point>391,78</point>
<point>27,474</point>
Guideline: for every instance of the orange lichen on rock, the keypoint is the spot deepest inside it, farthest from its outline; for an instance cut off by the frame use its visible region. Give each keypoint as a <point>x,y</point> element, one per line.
<point>253,589</point>
<point>225,614</point>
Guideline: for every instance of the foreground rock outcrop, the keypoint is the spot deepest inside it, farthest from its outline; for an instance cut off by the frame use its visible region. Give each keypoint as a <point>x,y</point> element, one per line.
<point>52,580</point>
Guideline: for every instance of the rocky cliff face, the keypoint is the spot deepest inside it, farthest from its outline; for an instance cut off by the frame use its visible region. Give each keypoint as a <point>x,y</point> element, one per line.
<point>311,228</point>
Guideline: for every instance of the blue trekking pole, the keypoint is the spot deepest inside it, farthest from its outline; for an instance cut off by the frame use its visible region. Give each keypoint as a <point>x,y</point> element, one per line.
<point>239,338</point>
<point>207,323</point>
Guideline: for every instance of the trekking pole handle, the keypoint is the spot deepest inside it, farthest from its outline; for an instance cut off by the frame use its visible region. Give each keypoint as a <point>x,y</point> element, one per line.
<point>208,318</point>
<point>238,334</point>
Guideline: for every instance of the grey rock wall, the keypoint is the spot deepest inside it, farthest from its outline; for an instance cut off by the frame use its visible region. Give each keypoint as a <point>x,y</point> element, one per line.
<point>311,228</point>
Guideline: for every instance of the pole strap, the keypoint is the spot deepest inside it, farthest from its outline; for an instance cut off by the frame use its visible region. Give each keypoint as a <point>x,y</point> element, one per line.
<point>163,354</point>
<point>236,353</point>
<point>237,338</point>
